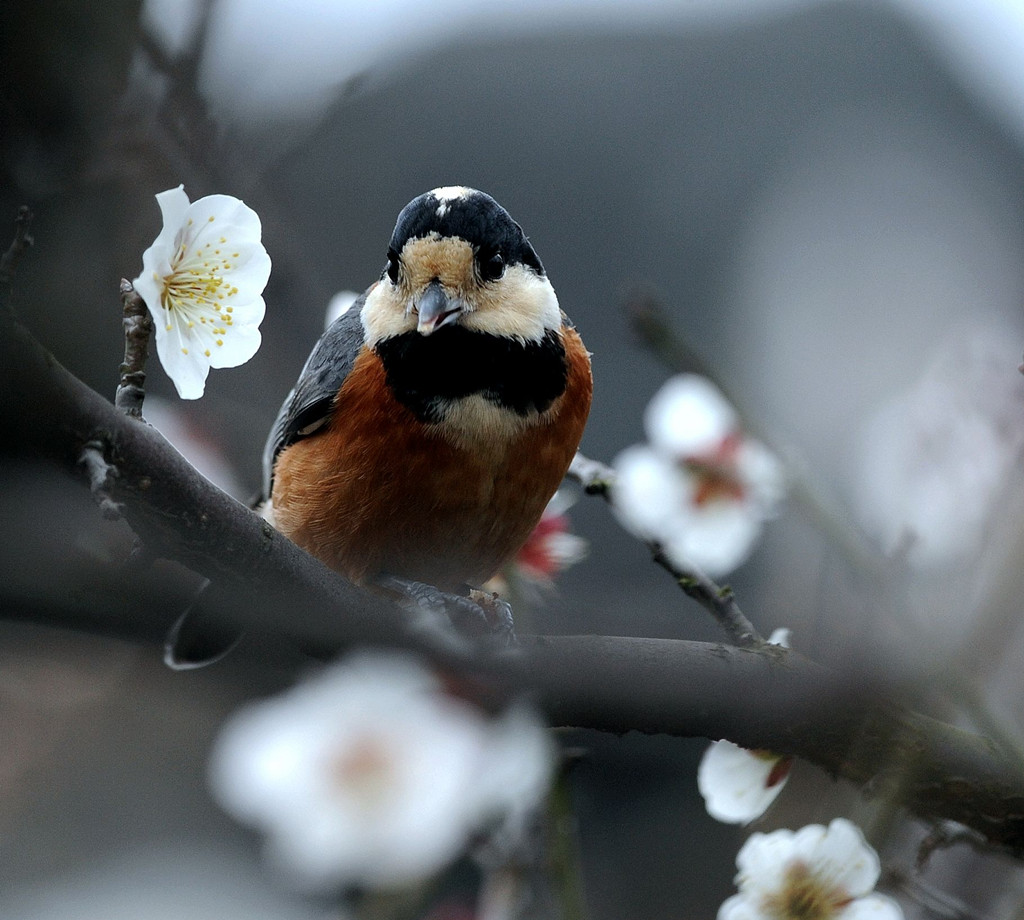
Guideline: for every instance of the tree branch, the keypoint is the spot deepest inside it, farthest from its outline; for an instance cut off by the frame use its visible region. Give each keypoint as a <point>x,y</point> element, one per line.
<point>138,329</point>
<point>766,698</point>
<point>718,600</point>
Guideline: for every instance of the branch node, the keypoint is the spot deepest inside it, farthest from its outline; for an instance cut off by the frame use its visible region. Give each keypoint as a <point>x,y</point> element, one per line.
<point>100,474</point>
<point>595,477</point>
<point>138,329</point>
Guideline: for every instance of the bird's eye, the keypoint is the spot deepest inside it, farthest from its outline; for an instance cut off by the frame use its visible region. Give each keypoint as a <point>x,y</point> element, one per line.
<point>492,266</point>
<point>392,270</point>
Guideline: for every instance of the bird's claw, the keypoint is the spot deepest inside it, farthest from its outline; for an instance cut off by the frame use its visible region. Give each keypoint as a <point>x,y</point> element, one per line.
<point>481,614</point>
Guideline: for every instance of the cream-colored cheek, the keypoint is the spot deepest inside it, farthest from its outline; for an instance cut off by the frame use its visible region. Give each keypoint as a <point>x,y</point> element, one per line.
<point>385,315</point>
<point>522,305</point>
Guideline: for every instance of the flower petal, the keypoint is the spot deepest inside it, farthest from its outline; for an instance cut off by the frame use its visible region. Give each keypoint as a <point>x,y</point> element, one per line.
<point>843,857</point>
<point>648,493</point>
<point>735,782</point>
<point>740,907</point>
<point>873,907</point>
<point>716,538</point>
<point>187,367</point>
<point>761,860</point>
<point>688,416</point>
<point>240,343</point>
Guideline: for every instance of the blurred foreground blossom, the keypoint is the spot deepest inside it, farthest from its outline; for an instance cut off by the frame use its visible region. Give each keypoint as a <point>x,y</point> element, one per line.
<point>371,774</point>
<point>934,462</point>
<point>815,873</point>
<point>738,785</point>
<point>203,280</point>
<point>700,488</point>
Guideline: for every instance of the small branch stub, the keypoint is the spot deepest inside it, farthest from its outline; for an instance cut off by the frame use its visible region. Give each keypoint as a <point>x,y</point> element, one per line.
<point>100,474</point>
<point>138,329</point>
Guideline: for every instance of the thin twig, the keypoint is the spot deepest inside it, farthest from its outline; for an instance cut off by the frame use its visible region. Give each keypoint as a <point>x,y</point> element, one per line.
<point>599,479</point>
<point>9,261</point>
<point>138,329</point>
<point>652,326</point>
<point>718,600</point>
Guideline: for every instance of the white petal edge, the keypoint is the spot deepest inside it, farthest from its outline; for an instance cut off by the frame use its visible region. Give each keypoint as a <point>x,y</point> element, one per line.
<point>843,856</point>
<point>649,492</point>
<point>688,416</point>
<point>873,907</point>
<point>734,782</point>
<point>739,907</point>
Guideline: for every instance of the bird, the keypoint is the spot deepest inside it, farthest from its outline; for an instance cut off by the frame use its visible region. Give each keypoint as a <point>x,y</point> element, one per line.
<point>433,420</point>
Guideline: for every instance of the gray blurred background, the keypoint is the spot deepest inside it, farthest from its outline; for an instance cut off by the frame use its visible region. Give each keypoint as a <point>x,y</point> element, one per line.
<point>826,198</point>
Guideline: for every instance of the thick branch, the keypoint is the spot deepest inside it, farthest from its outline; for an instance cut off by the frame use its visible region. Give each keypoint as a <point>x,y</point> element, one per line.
<point>764,698</point>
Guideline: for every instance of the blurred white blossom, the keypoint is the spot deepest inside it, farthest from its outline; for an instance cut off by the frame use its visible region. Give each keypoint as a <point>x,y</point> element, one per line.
<point>338,306</point>
<point>934,462</point>
<point>700,488</point>
<point>203,280</point>
<point>737,784</point>
<point>815,873</point>
<point>371,774</point>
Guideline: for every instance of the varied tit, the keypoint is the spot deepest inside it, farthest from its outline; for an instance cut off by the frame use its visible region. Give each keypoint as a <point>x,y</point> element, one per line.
<point>434,419</point>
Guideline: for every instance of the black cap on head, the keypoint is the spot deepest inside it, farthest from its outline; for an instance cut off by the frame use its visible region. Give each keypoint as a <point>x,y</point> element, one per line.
<point>470,215</point>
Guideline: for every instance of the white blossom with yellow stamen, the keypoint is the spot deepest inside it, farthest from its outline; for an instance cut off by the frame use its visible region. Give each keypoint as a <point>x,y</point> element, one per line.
<point>203,281</point>
<point>815,873</point>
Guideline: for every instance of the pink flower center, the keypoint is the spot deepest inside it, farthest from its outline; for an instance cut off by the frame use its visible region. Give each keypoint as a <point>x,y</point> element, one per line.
<point>716,472</point>
<point>363,769</point>
<point>536,554</point>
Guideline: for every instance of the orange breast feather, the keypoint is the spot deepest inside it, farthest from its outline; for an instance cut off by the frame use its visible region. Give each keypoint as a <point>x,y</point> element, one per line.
<point>378,492</point>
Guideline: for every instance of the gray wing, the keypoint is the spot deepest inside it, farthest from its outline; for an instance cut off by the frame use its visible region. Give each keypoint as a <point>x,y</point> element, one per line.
<point>308,407</point>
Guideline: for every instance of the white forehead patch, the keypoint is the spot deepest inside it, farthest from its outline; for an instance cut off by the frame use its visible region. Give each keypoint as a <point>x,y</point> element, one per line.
<point>447,194</point>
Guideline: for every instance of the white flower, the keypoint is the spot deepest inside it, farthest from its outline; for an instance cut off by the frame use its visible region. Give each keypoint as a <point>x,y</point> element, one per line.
<point>203,280</point>
<point>370,774</point>
<point>701,489</point>
<point>934,462</point>
<point>738,785</point>
<point>815,873</point>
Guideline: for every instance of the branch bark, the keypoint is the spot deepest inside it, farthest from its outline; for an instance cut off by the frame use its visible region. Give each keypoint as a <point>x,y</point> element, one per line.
<point>764,698</point>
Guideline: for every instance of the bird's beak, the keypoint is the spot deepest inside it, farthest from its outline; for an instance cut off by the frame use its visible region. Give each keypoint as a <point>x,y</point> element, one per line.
<point>435,309</point>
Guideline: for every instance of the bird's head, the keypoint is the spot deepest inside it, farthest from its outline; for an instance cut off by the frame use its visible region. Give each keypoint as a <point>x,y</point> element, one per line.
<point>457,257</point>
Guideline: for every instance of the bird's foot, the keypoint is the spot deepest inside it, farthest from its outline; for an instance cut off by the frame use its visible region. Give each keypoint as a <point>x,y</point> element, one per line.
<point>480,614</point>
